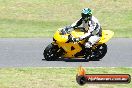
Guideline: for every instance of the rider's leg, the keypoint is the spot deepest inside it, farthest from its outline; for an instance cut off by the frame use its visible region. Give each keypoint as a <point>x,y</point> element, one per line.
<point>92,40</point>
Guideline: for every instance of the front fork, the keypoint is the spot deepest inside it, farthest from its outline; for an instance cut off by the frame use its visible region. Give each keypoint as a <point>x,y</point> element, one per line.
<point>60,51</point>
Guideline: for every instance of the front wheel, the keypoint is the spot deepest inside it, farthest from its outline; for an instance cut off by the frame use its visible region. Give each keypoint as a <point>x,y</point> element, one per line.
<point>51,52</point>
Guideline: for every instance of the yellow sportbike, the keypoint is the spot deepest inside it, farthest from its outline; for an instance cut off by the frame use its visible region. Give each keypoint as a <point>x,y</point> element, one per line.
<point>64,47</point>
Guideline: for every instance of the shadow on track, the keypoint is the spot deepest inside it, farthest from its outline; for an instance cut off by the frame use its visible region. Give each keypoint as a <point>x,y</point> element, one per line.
<point>72,60</point>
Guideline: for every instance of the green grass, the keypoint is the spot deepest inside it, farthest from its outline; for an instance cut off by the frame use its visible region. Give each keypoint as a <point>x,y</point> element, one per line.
<point>55,77</point>
<point>41,18</point>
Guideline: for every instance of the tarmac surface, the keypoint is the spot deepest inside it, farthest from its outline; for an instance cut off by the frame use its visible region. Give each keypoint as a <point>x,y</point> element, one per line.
<point>28,52</point>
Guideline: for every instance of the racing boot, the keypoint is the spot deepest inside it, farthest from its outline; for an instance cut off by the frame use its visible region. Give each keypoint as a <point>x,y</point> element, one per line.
<point>87,54</point>
<point>88,51</point>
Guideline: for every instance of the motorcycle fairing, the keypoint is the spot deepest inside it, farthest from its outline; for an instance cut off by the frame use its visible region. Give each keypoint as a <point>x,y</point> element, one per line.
<point>72,48</point>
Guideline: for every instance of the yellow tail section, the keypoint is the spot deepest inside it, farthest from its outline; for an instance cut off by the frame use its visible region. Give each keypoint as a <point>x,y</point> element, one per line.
<point>106,36</point>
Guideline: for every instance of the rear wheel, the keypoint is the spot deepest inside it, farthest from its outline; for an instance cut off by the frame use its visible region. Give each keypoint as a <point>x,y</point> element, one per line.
<point>99,52</point>
<point>51,52</point>
<point>87,54</point>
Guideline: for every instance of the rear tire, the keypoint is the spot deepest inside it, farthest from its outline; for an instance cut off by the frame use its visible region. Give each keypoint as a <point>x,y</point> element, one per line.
<point>50,52</point>
<point>99,52</point>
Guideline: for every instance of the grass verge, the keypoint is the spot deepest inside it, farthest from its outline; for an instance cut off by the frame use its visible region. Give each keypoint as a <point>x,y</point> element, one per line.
<point>40,18</point>
<point>55,77</point>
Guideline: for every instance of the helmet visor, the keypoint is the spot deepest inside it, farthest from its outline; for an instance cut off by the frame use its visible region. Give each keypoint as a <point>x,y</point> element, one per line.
<point>85,15</point>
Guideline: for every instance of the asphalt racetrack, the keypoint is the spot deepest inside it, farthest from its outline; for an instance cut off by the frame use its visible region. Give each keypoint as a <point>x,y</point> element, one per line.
<point>28,52</point>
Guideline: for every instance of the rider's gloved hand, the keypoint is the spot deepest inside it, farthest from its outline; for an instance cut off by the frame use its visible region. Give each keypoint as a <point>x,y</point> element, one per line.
<point>76,39</point>
<point>68,29</point>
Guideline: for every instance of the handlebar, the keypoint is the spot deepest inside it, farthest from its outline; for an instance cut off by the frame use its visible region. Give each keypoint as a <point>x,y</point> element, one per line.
<point>66,30</point>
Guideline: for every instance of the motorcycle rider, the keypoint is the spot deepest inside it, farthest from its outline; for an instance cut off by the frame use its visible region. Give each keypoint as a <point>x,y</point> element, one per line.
<point>92,28</point>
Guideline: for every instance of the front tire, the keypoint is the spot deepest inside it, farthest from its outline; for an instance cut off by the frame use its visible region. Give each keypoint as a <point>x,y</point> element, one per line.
<point>50,52</point>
